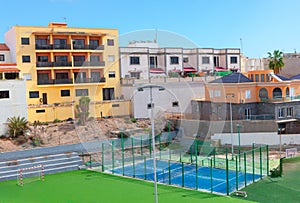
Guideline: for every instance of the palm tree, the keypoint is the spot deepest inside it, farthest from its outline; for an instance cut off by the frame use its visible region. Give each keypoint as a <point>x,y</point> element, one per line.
<point>276,61</point>
<point>17,126</point>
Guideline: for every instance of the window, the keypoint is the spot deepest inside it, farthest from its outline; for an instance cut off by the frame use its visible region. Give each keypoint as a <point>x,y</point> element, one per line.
<point>233,59</point>
<point>289,112</point>
<point>41,41</point>
<point>185,60</point>
<point>60,41</point>
<point>82,92</point>
<point>108,93</point>
<point>26,59</point>
<point>4,94</point>
<point>262,77</point>
<point>110,58</point>
<point>78,43</point>
<point>42,58</point>
<point>247,113</point>
<point>40,111</point>
<point>153,61</point>
<point>94,42</point>
<point>248,94</point>
<point>34,94</point>
<point>205,60</point>
<point>64,93</point>
<point>111,74</point>
<point>256,78</point>
<point>115,105</point>
<point>110,42</point>
<point>134,60</point>
<point>95,76</point>
<point>217,93</point>
<point>280,112</point>
<point>79,58</point>
<point>252,77</point>
<point>95,58</point>
<point>136,75</point>
<point>174,60</point>
<point>61,58</point>
<point>2,57</point>
<point>24,40</point>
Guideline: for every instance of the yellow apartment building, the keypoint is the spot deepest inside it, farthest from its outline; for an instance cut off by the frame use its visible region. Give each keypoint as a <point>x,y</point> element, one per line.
<point>60,64</point>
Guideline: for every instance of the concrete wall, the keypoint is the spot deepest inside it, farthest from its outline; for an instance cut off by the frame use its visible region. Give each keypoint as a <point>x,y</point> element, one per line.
<point>15,105</point>
<point>7,57</point>
<point>269,138</point>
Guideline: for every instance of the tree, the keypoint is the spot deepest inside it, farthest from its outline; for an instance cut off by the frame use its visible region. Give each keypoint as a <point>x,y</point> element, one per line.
<point>83,109</point>
<point>17,126</point>
<point>276,61</point>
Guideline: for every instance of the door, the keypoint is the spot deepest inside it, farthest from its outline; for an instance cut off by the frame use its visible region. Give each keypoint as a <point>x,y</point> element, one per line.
<point>45,98</point>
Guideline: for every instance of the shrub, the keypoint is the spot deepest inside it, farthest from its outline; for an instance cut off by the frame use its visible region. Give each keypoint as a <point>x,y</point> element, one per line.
<point>133,120</point>
<point>17,126</point>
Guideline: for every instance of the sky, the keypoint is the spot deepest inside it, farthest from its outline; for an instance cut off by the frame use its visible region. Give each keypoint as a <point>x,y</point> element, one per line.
<point>255,26</point>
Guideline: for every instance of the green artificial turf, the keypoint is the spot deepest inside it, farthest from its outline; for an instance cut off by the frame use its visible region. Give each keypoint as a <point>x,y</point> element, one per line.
<point>87,186</point>
<point>281,189</point>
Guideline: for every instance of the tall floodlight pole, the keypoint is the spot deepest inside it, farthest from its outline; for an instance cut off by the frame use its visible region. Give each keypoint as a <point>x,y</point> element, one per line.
<point>153,144</point>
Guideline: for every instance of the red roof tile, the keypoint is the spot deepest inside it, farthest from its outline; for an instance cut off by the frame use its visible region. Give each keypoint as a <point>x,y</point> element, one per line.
<point>3,47</point>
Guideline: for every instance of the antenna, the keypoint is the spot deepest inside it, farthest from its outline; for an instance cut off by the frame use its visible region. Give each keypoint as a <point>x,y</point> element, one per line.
<point>155,39</point>
<point>65,19</point>
<point>241,41</point>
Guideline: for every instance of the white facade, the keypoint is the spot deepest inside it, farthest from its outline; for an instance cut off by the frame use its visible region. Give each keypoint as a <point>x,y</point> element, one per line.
<point>12,101</point>
<point>6,56</point>
<point>249,64</point>
<point>148,58</point>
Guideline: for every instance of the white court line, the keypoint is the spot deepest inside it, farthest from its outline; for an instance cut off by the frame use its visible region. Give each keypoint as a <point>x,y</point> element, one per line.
<point>225,181</point>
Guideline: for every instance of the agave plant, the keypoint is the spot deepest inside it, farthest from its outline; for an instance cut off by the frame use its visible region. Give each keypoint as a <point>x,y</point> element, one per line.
<point>17,126</point>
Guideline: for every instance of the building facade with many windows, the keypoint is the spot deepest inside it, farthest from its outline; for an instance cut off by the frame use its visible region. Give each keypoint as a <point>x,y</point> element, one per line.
<point>60,64</point>
<point>142,60</point>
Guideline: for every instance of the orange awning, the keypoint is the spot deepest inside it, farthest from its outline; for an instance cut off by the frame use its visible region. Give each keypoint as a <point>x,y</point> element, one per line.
<point>9,70</point>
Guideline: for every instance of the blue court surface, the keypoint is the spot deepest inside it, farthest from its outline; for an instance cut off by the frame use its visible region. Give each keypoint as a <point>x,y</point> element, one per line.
<point>184,175</point>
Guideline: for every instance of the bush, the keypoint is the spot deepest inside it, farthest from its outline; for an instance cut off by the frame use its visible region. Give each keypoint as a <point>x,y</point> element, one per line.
<point>57,121</point>
<point>133,120</point>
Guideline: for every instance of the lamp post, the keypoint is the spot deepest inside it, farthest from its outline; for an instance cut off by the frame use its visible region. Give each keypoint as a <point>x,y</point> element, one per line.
<point>280,131</point>
<point>239,140</point>
<point>151,107</point>
<point>231,96</point>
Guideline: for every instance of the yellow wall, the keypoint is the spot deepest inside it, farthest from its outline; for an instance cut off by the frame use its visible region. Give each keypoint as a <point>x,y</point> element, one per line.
<point>54,91</point>
<point>51,113</point>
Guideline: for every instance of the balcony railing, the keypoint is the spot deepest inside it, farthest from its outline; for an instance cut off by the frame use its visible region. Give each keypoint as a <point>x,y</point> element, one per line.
<point>44,64</point>
<point>68,46</point>
<point>62,64</point>
<point>90,80</point>
<point>260,117</point>
<point>55,81</point>
<point>89,63</point>
<point>61,46</point>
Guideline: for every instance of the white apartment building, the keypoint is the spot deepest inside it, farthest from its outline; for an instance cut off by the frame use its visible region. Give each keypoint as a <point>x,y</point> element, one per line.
<point>12,90</point>
<point>142,60</point>
<point>249,64</point>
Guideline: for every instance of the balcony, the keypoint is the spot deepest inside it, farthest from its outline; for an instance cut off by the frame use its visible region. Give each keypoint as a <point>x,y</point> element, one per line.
<point>62,64</point>
<point>68,46</point>
<point>61,46</point>
<point>89,63</point>
<point>90,80</point>
<point>44,64</point>
<point>43,46</point>
<point>54,81</point>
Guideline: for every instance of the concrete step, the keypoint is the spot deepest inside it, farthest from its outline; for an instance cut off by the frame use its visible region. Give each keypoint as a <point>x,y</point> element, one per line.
<point>36,159</point>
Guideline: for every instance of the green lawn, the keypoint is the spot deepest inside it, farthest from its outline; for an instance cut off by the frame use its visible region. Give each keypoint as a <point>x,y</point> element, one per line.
<point>283,189</point>
<point>87,186</point>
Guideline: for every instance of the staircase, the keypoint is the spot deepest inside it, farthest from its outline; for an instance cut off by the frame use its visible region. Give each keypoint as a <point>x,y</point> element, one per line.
<point>52,164</point>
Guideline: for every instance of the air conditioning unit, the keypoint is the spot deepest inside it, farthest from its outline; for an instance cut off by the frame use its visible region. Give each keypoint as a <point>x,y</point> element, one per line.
<point>242,101</point>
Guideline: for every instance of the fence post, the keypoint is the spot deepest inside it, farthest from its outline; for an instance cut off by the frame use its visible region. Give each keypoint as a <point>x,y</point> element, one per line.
<point>169,173</point>
<point>227,178</point>
<point>145,168</point>
<point>196,153</point>
<point>159,139</point>
<point>122,144</point>
<point>211,179</point>
<point>197,176</point>
<point>245,168</point>
<point>133,165</point>
<point>260,162</point>
<point>236,173</point>
<point>141,145</point>
<point>102,157</point>
<point>253,165</point>
<point>150,146</point>
<point>214,157</point>
<point>267,149</point>
<point>112,156</point>
<point>169,132</point>
<point>182,173</point>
